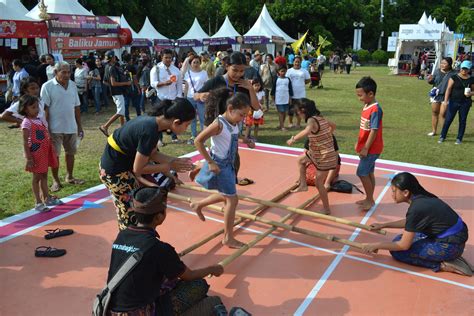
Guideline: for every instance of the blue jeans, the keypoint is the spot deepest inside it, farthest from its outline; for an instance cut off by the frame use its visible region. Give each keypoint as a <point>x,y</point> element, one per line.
<point>200,110</point>
<point>142,101</point>
<point>133,99</point>
<point>84,101</point>
<point>97,91</point>
<point>105,95</point>
<point>428,253</point>
<point>453,108</point>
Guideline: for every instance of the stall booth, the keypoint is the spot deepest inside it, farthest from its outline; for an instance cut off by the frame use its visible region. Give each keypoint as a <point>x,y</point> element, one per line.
<point>427,36</point>
<point>226,37</point>
<point>151,38</point>
<point>265,35</point>
<point>195,39</point>
<point>124,25</point>
<point>74,31</point>
<point>19,34</point>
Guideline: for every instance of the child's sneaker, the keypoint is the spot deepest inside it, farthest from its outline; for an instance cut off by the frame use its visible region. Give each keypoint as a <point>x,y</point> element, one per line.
<point>190,141</point>
<point>53,201</point>
<point>458,142</point>
<point>440,140</point>
<point>160,143</point>
<point>41,207</point>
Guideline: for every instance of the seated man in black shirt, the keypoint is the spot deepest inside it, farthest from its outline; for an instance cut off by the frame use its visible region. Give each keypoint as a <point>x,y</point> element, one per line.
<point>161,283</point>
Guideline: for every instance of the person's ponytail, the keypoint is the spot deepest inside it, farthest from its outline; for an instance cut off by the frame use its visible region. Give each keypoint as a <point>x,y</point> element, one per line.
<point>178,109</point>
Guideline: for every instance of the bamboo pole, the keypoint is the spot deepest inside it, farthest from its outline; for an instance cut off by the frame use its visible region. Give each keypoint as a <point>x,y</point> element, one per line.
<point>236,222</point>
<point>275,223</point>
<point>257,239</point>
<point>296,210</point>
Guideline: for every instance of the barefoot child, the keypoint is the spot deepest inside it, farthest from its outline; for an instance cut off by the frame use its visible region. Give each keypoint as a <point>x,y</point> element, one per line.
<point>321,148</point>
<point>218,169</point>
<point>255,117</point>
<point>369,145</point>
<point>38,150</point>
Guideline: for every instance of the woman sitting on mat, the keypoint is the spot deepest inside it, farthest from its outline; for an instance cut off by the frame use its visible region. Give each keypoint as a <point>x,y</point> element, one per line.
<point>321,148</point>
<point>434,235</point>
<point>131,152</point>
<point>218,171</point>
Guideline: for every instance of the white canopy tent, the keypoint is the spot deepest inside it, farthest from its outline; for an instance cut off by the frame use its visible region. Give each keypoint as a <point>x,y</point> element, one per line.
<point>266,35</point>
<point>8,12</point>
<point>195,38</point>
<point>413,38</point>
<point>268,19</point>
<point>226,35</point>
<point>16,6</point>
<point>72,7</point>
<point>149,33</point>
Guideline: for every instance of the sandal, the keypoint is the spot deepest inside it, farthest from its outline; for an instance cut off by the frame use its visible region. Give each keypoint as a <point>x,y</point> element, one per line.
<point>104,131</point>
<point>457,266</point>
<point>53,233</point>
<point>75,181</point>
<point>50,252</point>
<point>56,187</point>
<point>245,181</point>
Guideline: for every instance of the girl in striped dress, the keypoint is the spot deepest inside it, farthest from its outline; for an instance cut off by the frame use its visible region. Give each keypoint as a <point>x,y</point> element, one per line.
<point>321,151</point>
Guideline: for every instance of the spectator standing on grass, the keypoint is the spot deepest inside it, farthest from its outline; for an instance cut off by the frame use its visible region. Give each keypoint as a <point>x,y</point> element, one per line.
<point>19,74</point>
<point>116,80</point>
<point>458,98</point>
<point>62,107</point>
<point>166,79</point>
<point>95,82</point>
<point>268,72</point>
<point>348,62</point>
<point>299,78</point>
<point>439,80</point>
<point>80,78</point>
<point>280,60</point>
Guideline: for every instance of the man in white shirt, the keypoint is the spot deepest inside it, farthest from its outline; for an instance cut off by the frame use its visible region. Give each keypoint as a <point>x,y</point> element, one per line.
<point>299,78</point>
<point>166,78</point>
<point>62,107</point>
<point>168,82</point>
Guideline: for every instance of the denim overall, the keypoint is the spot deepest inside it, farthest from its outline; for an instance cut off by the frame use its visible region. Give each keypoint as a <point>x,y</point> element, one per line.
<point>224,182</point>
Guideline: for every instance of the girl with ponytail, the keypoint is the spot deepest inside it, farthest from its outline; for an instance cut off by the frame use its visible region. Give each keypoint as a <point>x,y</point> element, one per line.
<point>131,152</point>
<point>434,234</point>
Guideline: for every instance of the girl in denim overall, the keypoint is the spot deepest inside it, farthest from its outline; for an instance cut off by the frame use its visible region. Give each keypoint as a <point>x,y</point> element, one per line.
<point>218,170</point>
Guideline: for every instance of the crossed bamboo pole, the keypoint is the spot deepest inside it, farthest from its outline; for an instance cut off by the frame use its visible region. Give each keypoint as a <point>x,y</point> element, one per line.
<point>275,223</point>
<point>255,211</point>
<point>297,210</point>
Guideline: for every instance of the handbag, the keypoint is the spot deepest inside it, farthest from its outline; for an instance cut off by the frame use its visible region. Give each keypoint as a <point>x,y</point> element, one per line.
<point>102,300</point>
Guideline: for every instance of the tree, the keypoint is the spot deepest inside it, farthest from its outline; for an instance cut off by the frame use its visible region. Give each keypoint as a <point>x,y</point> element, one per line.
<point>465,22</point>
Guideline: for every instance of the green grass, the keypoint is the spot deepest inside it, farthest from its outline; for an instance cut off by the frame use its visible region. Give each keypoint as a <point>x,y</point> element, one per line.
<point>407,117</point>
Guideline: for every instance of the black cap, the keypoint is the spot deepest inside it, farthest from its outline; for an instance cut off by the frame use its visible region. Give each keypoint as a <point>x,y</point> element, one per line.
<point>109,55</point>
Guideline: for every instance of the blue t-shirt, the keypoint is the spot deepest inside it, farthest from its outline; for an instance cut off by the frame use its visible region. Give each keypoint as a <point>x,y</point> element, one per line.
<point>305,64</point>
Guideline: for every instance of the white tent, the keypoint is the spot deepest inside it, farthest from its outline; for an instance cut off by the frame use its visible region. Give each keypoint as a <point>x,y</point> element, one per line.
<point>72,7</point>
<point>11,13</point>
<point>425,35</point>
<point>150,33</point>
<point>262,35</point>
<point>226,35</point>
<point>195,37</point>
<point>16,6</point>
<point>267,17</point>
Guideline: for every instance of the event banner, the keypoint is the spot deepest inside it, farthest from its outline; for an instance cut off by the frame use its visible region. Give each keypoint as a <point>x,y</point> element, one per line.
<point>192,43</point>
<point>82,24</point>
<point>84,43</point>
<point>22,29</point>
<point>256,40</point>
<point>420,31</point>
<point>222,41</point>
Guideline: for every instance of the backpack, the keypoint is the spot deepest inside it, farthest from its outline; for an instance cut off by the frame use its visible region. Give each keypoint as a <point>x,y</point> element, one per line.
<point>101,302</point>
<point>344,186</point>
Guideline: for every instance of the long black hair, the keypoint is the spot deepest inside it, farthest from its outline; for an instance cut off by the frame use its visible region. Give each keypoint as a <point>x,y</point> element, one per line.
<point>407,181</point>
<point>237,58</point>
<point>308,107</point>
<point>179,109</point>
<point>216,103</point>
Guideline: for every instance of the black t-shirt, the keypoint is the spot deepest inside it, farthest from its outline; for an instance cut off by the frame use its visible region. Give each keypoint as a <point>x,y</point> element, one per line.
<point>142,286</point>
<point>138,135</point>
<point>41,70</point>
<point>431,216</point>
<point>219,82</point>
<point>118,75</point>
<point>457,93</point>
